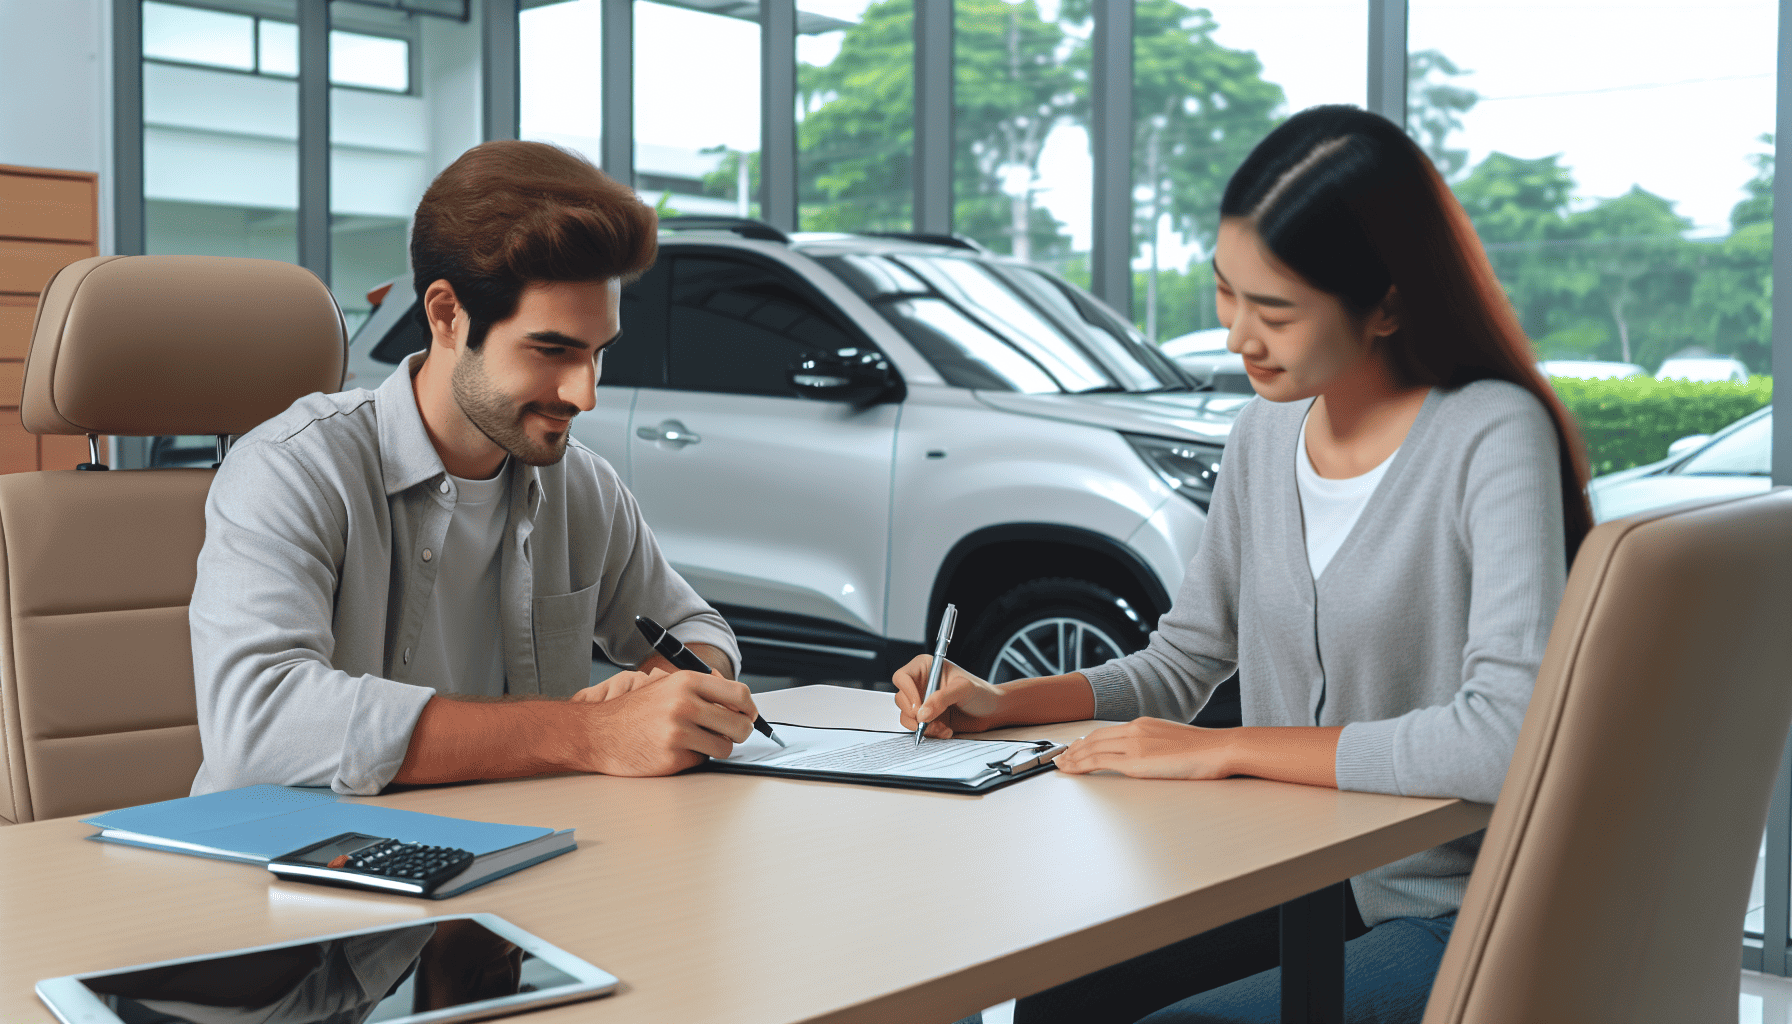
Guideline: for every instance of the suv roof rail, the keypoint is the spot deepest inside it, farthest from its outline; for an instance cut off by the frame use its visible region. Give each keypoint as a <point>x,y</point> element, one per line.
<point>741,226</point>
<point>932,238</point>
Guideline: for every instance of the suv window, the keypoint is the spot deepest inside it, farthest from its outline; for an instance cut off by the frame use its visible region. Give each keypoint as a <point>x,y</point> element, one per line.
<point>988,325</point>
<point>738,326</point>
<point>1746,451</point>
<point>638,358</point>
<point>405,336</point>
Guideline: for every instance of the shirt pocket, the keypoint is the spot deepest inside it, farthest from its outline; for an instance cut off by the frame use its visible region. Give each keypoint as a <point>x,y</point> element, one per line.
<point>563,625</point>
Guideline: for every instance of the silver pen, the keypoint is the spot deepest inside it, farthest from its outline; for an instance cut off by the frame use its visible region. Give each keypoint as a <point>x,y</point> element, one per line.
<point>939,664</point>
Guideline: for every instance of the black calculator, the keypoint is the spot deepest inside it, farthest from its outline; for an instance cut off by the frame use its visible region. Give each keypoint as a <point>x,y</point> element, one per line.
<point>369,862</point>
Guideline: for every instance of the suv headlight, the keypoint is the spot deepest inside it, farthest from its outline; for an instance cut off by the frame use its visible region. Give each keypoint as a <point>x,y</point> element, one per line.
<point>1188,466</point>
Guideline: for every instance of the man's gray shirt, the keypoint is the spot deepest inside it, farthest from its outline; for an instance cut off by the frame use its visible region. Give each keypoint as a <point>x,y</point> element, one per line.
<point>1422,637</point>
<point>319,566</point>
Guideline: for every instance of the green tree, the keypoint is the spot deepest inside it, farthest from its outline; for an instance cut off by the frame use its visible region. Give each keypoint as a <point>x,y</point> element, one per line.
<point>1732,300</point>
<point>1012,84</point>
<point>1198,108</point>
<point>727,182</point>
<point>1434,107</point>
<point>1627,255</point>
<point>856,134</point>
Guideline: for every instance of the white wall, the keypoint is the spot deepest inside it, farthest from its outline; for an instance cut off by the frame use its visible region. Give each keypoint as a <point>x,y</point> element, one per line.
<point>56,90</point>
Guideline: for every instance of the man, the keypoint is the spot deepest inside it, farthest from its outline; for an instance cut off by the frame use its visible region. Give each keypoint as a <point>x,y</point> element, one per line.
<point>396,583</point>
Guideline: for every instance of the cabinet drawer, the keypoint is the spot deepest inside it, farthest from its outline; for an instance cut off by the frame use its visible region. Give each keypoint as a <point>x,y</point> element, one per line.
<point>25,267</point>
<point>52,209</point>
<point>16,315</point>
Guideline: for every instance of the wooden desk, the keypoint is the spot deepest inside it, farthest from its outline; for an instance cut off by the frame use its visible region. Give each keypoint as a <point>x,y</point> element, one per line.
<point>749,900</point>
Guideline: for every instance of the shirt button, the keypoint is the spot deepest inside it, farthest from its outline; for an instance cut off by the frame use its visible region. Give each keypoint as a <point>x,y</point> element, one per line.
<point>407,655</point>
<point>428,554</point>
<point>444,487</point>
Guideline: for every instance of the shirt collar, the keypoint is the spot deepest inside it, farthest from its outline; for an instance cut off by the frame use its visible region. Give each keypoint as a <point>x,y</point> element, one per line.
<point>407,456</point>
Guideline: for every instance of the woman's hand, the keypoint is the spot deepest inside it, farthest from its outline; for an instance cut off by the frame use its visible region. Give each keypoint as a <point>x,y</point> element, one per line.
<point>963,703</point>
<point>1151,748</point>
<point>619,684</point>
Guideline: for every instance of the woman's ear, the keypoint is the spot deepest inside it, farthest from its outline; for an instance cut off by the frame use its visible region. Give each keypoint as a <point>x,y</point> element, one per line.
<point>442,308</point>
<point>1384,319</point>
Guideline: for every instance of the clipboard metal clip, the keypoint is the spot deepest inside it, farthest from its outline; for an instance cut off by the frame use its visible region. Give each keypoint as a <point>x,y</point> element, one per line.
<point>1040,753</point>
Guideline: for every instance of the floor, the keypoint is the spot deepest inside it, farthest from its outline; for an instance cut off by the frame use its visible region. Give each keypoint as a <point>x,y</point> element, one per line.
<point>1766,998</point>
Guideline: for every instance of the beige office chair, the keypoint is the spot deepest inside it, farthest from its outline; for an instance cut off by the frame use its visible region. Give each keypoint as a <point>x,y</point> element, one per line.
<point>1616,870</point>
<point>97,568</point>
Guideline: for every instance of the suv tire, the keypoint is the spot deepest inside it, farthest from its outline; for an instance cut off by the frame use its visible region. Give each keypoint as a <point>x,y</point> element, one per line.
<point>1049,627</point>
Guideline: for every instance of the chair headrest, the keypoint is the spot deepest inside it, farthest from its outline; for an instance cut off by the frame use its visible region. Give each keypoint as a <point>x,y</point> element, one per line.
<point>144,345</point>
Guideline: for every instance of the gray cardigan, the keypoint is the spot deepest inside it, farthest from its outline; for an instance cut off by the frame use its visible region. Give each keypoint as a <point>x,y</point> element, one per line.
<point>1422,637</point>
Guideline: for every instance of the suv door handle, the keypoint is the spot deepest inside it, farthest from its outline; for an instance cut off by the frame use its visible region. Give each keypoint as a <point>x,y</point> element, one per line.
<point>670,431</point>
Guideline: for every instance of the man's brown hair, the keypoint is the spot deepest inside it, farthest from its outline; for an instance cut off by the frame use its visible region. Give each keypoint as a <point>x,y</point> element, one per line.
<point>507,213</point>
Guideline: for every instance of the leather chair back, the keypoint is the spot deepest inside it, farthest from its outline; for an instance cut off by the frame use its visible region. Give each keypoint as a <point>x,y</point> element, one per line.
<point>1616,868</point>
<point>97,568</point>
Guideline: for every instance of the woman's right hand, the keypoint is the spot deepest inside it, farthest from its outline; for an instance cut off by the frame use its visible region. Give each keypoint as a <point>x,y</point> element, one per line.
<point>963,703</point>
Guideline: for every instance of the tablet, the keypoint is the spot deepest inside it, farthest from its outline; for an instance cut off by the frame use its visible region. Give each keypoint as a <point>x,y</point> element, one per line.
<point>452,968</point>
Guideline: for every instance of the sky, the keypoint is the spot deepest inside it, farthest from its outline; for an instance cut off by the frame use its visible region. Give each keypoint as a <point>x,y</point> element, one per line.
<point>1671,97</point>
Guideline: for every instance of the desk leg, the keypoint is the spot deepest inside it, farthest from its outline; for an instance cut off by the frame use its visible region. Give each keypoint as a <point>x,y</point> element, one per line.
<point>1313,957</point>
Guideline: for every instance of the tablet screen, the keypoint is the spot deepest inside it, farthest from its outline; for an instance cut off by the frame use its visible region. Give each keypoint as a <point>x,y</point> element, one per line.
<point>372,976</point>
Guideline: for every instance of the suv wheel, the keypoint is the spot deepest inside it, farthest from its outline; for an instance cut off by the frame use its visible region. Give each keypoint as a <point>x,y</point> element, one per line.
<point>1049,627</point>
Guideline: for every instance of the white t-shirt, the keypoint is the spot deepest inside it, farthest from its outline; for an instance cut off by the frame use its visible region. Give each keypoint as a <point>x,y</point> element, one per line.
<point>461,649</point>
<point>1329,508</point>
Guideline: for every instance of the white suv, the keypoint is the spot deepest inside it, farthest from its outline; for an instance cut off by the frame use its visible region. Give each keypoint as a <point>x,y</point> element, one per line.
<point>833,436</point>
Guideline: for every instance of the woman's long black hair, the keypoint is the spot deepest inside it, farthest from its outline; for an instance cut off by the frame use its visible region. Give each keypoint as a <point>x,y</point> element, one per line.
<point>1347,201</point>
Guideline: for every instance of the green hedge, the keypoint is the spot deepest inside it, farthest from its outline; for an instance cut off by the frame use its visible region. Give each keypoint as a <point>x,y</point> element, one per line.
<point>1631,421</point>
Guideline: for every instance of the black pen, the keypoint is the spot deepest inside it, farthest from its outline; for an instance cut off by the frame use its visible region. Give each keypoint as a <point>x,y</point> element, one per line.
<point>673,650</point>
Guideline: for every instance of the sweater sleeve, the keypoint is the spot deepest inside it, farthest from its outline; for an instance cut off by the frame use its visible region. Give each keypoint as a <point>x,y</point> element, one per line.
<point>1510,523</point>
<point>1195,645</point>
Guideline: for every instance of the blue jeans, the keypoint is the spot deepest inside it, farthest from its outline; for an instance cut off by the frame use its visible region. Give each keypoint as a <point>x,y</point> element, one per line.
<point>1387,979</point>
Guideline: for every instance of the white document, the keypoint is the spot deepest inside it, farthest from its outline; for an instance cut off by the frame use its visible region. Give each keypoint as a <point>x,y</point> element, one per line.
<point>857,752</point>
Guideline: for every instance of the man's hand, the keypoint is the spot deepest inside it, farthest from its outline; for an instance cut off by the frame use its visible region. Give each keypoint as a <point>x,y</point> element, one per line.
<point>619,684</point>
<point>666,726</point>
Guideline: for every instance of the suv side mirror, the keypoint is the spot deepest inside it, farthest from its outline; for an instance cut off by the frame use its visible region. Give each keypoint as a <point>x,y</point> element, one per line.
<point>849,375</point>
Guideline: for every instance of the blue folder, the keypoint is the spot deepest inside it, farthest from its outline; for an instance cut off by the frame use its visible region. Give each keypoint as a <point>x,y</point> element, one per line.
<point>255,824</point>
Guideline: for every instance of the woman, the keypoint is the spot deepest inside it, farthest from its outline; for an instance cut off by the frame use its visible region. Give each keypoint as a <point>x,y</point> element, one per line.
<point>1383,559</point>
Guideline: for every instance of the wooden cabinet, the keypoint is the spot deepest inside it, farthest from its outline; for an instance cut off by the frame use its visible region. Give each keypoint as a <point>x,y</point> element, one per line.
<point>48,219</point>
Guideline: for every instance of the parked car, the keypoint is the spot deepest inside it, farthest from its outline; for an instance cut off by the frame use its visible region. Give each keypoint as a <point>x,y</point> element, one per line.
<point>1703,368</point>
<point>1735,461</point>
<point>835,436</point>
<point>1589,369</point>
<point>1205,356</point>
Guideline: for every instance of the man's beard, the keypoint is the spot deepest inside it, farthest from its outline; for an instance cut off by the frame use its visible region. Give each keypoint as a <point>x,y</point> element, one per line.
<point>500,419</point>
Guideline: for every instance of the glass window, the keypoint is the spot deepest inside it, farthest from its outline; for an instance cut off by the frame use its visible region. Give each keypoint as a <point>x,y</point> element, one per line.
<point>855,115</point>
<point>386,144</point>
<point>561,77</point>
<point>1022,170</point>
<point>696,131</point>
<point>220,149</point>
<point>370,62</point>
<point>278,47</point>
<point>1624,193</point>
<point>737,326</point>
<point>1209,81</point>
<point>190,35</point>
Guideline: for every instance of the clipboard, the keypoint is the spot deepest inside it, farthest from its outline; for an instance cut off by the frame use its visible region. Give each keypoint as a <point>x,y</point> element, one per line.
<point>1008,761</point>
